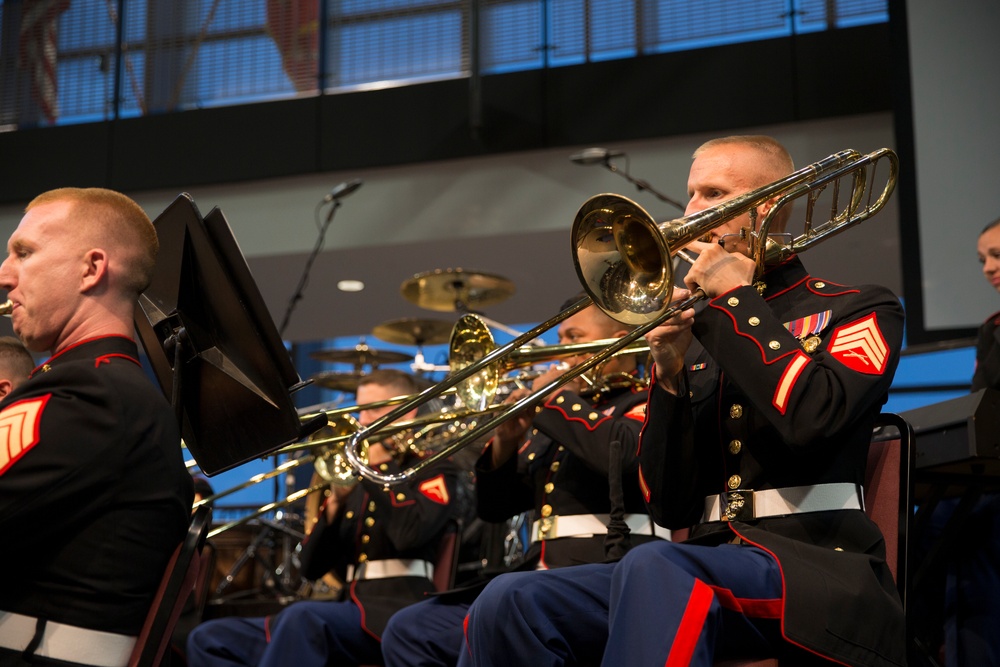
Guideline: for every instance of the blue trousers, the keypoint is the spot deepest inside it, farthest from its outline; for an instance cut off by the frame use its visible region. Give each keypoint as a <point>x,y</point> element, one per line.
<point>304,634</point>
<point>426,634</point>
<point>663,604</point>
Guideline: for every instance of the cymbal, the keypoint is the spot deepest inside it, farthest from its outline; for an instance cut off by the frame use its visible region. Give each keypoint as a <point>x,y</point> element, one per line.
<point>362,355</point>
<point>414,331</point>
<point>338,381</point>
<point>456,289</point>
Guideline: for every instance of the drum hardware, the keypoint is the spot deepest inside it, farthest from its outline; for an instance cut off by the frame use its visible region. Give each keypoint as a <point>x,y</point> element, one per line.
<point>459,290</point>
<point>624,258</point>
<point>345,382</point>
<point>361,355</point>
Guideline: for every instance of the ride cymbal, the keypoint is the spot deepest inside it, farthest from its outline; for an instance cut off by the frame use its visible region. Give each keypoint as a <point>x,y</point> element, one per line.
<point>362,355</point>
<point>456,289</point>
<point>338,381</point>
<point>414,331</point>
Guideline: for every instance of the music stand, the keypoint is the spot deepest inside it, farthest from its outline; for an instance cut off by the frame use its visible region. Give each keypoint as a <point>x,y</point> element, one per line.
<point>213,345</point>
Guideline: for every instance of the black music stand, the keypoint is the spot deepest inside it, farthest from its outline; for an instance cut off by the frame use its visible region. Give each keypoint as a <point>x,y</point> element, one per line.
<point>213,345</point>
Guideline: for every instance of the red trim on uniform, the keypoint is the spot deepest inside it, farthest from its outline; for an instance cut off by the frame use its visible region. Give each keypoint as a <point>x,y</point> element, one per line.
<point>78,344</point>
<point>465,632</point>
<point>267,629</point>
<point>590,426</point>
<point>361,608</point>
<point>763,354</point>
<point>691,625</point>
<point>748,606</point>
<point>788,379</point>
<point>786,290</point>
<point>643,486</point>
<point>106,359</point>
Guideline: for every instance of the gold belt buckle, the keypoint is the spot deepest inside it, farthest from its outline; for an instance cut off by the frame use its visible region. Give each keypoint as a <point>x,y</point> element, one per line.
<point>738,505</point>
<point>546,526</point>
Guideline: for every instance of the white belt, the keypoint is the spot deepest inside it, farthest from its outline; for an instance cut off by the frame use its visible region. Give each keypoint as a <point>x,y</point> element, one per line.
<point>587,525</point>
<point>390,567</point>
<point>66,642</point>
<point>746,505</point>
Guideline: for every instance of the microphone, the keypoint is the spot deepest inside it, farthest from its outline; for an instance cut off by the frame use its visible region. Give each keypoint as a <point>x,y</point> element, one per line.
<point>594,156</point>
<point>341,190</point>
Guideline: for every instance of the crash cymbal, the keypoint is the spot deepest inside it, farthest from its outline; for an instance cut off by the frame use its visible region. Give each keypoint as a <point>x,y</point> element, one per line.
<point>414,331</point>
<point>361,355</point>
<point>338,381</point>
<point>456,289</point>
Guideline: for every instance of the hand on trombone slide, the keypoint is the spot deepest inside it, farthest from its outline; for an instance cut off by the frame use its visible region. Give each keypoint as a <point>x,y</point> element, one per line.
<point>669,342</point>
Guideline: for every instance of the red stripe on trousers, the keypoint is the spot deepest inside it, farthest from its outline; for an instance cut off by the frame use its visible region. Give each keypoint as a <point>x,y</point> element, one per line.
<point>692,623</point>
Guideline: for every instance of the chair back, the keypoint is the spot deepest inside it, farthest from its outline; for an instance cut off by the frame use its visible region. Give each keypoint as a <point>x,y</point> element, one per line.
<point>889,490</point>
<point>177,585</point>
<point>446,562</point>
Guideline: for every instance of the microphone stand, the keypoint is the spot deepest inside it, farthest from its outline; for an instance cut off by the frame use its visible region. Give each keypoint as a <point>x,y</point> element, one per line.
<point>300,290</point>
<point>640,184</point>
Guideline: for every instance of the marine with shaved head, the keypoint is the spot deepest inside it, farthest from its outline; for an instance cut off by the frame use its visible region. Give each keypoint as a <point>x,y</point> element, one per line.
<point>92,481</point>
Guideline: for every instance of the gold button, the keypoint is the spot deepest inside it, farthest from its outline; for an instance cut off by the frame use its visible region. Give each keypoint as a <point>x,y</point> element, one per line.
<point>820,284</point>
<point>576,407</point>
<point>531,456</point>
<point>554,466</point>
<point>549,487</point>
<point>365,539</point>
<point>371,506</point>
<point>546,510</point>
<point>369,522</point>
<point>733,301</point>
<point>561,448</point>
<point>593,416</point>
<point>560,399</point>
<point>734,482</point>
<point>735,411</point>
<point>735,446</point>
<point>838,548</point>
<point>754,321</point>
<point>384,467</point>
<point>362,557</point>
<point>538,409</point>
<point>690,394</point>
<point>774,345</point>
<point>400,497</point>
<point>349,515</point>
<point>46,368</point>
<point>534,431</point>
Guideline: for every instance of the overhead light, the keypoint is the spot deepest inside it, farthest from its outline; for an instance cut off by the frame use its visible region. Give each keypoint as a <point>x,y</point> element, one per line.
<point>350,285</point>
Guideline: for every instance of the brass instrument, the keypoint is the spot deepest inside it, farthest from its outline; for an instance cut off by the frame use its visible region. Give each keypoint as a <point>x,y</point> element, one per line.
<point>623,257</point>
<point>6,308</point>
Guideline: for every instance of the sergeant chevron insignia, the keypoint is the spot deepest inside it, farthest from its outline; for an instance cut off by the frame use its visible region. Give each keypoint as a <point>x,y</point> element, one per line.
<point>860,346</point>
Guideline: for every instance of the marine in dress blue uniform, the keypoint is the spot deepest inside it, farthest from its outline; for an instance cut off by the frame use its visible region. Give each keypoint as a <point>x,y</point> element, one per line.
<point>383,542</point>
<point>561,471</point>
<point>780,390</point>
<point>93,486</point>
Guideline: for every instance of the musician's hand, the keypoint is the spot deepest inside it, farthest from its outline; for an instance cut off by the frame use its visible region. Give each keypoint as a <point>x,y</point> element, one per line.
<point>555,371</point>
<point>507,437</point>
<point>378,454</point>
<point>716,271</point>
<point>669,342</point>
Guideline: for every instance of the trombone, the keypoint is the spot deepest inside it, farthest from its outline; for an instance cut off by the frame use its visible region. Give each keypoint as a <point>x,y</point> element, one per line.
<point>623,258</point>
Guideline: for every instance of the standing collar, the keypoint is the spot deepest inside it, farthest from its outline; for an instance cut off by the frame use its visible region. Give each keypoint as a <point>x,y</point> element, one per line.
<point>93,348</point>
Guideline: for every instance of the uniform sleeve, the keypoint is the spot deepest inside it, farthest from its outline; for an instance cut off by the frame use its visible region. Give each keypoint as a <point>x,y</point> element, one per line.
<point>807,397</point>
<point>420,507</point>
<point>586,431</point>
<point>502,492</point>
<point>64,453</point>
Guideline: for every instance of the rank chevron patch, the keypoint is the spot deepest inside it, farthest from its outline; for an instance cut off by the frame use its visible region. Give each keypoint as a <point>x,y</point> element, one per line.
<point>860,346</point>
<point>435,489</point>
<point>19,426</point>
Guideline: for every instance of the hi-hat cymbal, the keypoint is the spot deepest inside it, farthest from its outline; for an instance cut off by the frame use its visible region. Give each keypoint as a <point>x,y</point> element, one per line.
<point>456,289</point>
<point>361,355</point>
<point>338,381</point>
<point>414,331</point>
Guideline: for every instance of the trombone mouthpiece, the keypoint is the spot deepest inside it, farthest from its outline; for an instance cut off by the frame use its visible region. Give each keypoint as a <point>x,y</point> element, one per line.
<point>6,307</point>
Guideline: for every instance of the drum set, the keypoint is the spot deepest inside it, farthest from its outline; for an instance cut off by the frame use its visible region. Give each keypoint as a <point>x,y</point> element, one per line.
<point>268,565</point>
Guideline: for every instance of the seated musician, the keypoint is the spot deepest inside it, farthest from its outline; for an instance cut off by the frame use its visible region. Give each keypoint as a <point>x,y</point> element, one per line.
<point>556,460</point>
<point>771,389</point>
<point>92,479</point>
<point>382,542</point>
